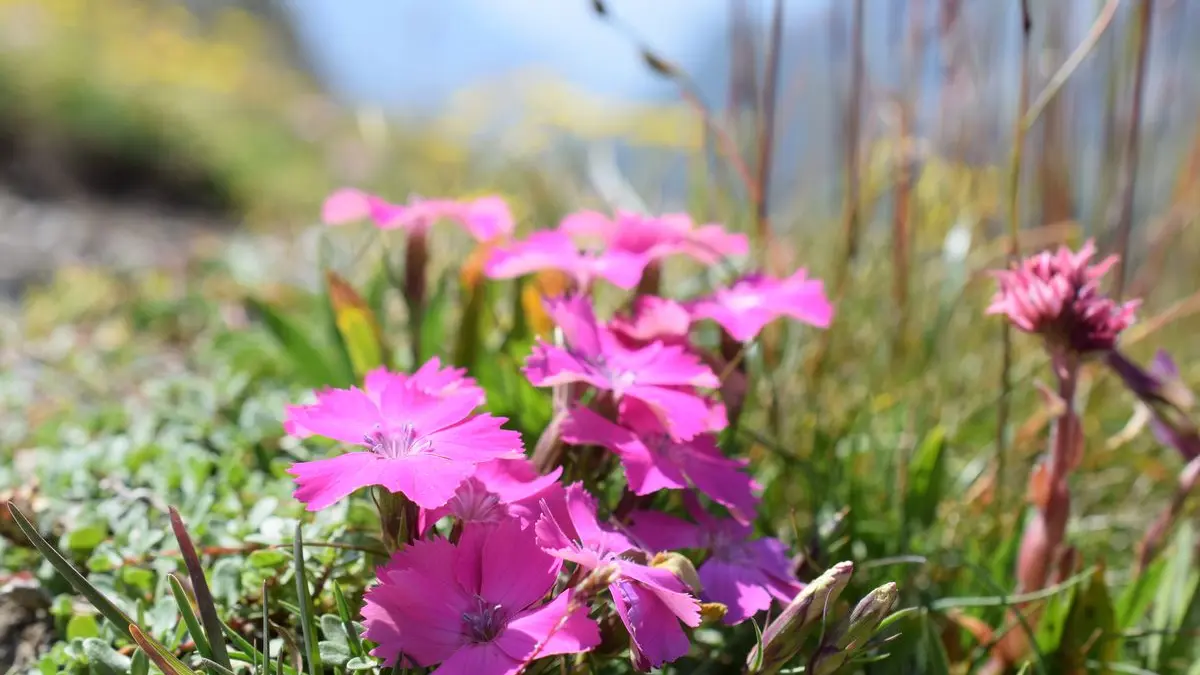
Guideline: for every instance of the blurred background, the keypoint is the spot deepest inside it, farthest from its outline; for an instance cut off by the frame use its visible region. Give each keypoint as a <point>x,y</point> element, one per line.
<point>130,128</point>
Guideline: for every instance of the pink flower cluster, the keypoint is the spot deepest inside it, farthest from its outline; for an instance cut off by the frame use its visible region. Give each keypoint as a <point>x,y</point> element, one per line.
<point>588,245</point>
<point>1057,295</point>
<point>508,564</point>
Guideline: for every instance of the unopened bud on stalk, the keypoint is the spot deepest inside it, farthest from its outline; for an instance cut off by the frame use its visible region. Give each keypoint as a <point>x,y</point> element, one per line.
<point>867,615</point>
<point>784,636</point>
<point>862,623</point>
<point>680,566</point>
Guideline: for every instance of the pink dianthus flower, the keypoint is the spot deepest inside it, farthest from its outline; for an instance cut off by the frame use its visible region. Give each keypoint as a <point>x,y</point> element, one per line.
<point>475,607</point>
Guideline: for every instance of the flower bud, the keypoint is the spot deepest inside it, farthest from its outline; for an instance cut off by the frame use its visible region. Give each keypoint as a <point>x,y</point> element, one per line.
<point>862,623</point>
<point>680,566</point>
<point>784,636</point>
<point>867,615</point>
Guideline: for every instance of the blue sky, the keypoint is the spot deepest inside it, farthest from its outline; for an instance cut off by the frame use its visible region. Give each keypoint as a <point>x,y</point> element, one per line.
<point>403,53</point>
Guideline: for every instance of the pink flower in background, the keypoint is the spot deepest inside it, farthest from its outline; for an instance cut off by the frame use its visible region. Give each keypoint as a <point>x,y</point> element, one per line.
<point>650,601</point>
<point>553,250</point>
<point>661,376</point>
<point>654,462</point>
<point>1058,297</point>
<point>430,378</point>
<point>741,573</point>
<point>475,607</point>
<point>657,237</point>
<point>485,219</point>
<point>348,205</point>
<point>415,443</point>
<point>755,300</point>
<point>499,490</point>
<point>653,318</point>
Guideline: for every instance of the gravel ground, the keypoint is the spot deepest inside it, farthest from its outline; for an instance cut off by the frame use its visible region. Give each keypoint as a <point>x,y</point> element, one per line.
<point>38,237</point>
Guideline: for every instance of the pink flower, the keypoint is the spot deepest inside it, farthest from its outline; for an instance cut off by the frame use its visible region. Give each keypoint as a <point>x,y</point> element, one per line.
<point>553,250</point>
<point>485,219</point>
<point>475,607</point>
<point>499,490</point>
<point>430,378</point>
<point>661,376</point>
<point>650,601</point>
<point>657,237</point>
<point>653,318</point>
<point>757,299</point>
<point>1058,297</point>
<point>741,573</point>
<point>416,443</point>
<point>654,462</point>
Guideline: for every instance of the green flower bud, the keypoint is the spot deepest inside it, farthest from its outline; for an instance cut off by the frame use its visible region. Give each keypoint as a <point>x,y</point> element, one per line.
<point>784,636</point>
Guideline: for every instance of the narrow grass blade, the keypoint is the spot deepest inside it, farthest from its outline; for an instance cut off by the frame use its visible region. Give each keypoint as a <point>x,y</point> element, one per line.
<point>215,667</point>
<point>343,608</point>
<point>243,645</point>
<point>306,614</point>
<point>162,658</point>
<point>204,598</point>
<point>73,577</point>
<point>266,634</point>
<point>189,617</point>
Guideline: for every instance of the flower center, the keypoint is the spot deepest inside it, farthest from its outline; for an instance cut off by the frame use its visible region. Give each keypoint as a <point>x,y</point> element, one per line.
<point>474,504</point>
<point>484,622</point>
<point>620,379</point>
<point>402,442</point>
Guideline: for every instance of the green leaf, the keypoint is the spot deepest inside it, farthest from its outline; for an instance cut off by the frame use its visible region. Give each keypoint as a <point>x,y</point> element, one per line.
<point>432,335</point>
<point>1089,629</point>
<point>307,624</point>
<point>204,598</point>
<point>343,607</point>
<point>1183,648</point>
<point>933,658</point>
<point>267,558</point>
<point>103,659</point>
<point>361,663</point>
<point>73,577</point>
<point>926,479</point>
<point>189,616</point>
<point>469,340</point>
<point>86,538</point>
<point>142,579</point>
<point>1138,596</point>
<point>307,360</point>
<point>357,326</point>
<point>1053,622</point>
<point>82,626</point>
<point>1168,608</point>
<point>756,660</point>
<point>140,664</point>
<point>335,654</point>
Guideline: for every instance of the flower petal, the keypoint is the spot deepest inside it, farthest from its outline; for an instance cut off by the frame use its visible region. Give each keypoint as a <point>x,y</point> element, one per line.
<point>322,482</point>
<point>541,627</point>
